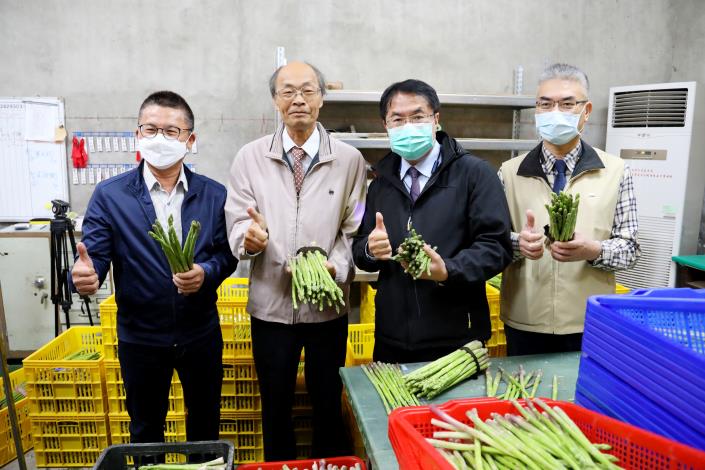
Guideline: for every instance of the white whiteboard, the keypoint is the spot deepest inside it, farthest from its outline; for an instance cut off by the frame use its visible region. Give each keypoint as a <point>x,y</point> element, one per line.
<point>32,166</point>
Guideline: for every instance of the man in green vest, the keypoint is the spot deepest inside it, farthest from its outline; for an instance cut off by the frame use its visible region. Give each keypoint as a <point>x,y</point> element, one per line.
<point>545,288</point>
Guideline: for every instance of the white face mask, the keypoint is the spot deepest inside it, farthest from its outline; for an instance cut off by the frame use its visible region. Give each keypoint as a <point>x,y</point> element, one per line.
<point>161,153</point>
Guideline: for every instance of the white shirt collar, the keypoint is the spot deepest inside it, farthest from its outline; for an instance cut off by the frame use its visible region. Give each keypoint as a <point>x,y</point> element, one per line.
<point>310,146</point>
<point>426,166</point>
<point>151,180</point>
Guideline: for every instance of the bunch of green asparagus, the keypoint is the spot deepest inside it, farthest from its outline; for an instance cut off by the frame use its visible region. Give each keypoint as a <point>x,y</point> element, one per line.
<point>562,214</point>
<point>180,260</point>
<point>389,383</point>
<point>412,253</point>
<point>532,439</point>
<point>438,376</point>
<point>312,283</point>
<point>518,384</point>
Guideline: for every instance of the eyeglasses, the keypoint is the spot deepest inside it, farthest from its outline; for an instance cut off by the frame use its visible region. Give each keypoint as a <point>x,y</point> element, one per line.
<point>290,93</point>
<point>150,131</point>
<point>564,105</point>
<point>415,119</point>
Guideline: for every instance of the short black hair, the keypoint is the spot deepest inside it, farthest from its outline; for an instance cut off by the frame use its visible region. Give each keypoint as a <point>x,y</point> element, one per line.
<point>414,87</point>
<point>319,76</point>
<point>169,99</point>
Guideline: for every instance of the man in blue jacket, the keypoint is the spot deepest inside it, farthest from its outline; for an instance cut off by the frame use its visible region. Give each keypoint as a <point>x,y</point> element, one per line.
<point>454,202</point>
<point>165,321</point>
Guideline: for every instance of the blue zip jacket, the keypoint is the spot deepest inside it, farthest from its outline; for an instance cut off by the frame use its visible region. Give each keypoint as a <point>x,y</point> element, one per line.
<point>150,310</point>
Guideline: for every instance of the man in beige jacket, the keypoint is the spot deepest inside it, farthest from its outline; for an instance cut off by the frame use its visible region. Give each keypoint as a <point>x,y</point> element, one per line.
<point>545,289</point>
<point>296,188</point>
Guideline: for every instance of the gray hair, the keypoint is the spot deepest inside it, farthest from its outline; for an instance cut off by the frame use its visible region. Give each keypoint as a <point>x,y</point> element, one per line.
<point>319,76</point>
<point>565,72</point>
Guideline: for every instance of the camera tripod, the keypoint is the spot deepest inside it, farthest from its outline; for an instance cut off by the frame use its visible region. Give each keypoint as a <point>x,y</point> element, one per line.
<point>61,234</point>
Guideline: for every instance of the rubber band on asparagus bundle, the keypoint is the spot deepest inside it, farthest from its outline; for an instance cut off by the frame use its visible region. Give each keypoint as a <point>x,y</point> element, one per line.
<point>474,358</point>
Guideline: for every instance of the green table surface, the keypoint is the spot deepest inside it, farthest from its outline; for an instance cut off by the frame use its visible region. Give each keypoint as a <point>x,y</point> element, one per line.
<point>694,261</point>
<point>372,419</point>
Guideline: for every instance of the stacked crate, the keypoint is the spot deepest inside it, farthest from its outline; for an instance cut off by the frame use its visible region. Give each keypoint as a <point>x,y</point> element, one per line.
<point>67,401</point>
<point>240,402</point>
<point>7,443</point>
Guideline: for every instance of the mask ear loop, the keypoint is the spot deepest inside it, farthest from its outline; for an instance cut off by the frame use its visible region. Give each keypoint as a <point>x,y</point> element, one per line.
<point>580,131</point>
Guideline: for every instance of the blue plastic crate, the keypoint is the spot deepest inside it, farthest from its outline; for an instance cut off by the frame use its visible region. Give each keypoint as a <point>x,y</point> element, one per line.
<point>676,314</point>
<point>601,391</point>
<point>660,379</point>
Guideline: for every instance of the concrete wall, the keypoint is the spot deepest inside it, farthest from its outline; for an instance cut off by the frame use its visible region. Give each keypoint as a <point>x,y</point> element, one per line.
<point>103,57</point>
<point>689,62</point>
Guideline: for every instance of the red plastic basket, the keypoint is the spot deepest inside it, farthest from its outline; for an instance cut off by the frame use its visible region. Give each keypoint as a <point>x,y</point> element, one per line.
<point>635,448</point>
<point>339,461</point>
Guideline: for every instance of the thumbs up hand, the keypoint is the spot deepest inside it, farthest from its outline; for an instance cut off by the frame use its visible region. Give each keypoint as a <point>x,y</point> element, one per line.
<point>85,279</point>
<point>530,240</point>
<point>378,244</point>
<point>256,237</point>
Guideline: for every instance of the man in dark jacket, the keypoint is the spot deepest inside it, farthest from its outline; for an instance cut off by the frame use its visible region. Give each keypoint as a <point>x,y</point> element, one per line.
<point>454,202</point>
<point>164,321</point>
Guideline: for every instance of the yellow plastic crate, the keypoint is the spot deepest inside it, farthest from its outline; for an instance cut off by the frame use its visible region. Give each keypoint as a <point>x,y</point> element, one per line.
<point>108,312</point>
<point>353,428</point>
<point>497,344</point>
<point>69,442</point>
<point>303,428</point>
<point>174,431</point>
<point>361,343</point>
<point>234,290</point>
<point>235,327</point>
<point>116,391</point>
<point>240,390</point>
<point>244,430</point>
<point>302,404</point>
<point>7,443</point>
<point>620,289</point>
<point>60,387</point>
<point>367,303</point>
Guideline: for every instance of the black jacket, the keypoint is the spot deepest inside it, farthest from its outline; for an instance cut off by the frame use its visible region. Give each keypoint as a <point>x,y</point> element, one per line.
<point>462,210</point>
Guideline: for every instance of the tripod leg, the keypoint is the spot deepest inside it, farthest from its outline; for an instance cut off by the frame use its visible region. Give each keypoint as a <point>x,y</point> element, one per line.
<point>68,299</point>
<point>54,280</point>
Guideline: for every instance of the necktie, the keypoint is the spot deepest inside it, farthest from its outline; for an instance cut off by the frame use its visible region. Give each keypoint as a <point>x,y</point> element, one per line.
<point>559,183</point>
<point>415,188</point>
<point>299,154</point>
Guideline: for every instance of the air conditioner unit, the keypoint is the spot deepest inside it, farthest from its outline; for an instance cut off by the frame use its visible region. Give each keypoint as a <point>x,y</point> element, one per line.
<point>659,130</point>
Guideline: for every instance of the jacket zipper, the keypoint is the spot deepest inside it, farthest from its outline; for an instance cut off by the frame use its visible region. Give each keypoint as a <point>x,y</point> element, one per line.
<point>296,228</point>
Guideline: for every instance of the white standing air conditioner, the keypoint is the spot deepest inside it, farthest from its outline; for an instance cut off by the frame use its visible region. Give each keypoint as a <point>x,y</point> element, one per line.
<point>659,131</point>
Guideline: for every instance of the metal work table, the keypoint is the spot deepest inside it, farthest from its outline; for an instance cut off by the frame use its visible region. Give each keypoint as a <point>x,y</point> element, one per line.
<point>372,419</point>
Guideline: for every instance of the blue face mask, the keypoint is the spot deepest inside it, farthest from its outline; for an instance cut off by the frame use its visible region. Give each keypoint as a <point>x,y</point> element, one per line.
<point>411,141</point>
<point>557,127</point>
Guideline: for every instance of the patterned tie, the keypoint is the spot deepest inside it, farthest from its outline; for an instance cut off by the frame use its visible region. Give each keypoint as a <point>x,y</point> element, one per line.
<point>415,188</point>
<point>559,183</point>
<point>299,154</point>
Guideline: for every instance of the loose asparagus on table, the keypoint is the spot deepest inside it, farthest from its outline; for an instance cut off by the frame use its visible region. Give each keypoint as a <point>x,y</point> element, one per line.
<point>390,385</point>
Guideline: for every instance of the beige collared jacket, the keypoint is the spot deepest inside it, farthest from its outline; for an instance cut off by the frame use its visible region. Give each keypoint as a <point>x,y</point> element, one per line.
<point>326,213</point>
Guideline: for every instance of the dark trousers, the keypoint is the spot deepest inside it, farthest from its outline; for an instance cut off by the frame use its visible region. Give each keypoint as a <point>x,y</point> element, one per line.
<point>386,353</point>
<point>276,348</point>
<point>147,372</point>
<point>520,342</point>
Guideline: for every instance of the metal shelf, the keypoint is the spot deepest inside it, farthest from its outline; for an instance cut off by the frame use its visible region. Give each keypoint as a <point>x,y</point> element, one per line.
<point>468,144</point>
<point>494,101</point>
